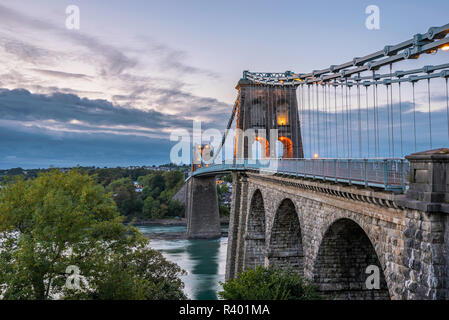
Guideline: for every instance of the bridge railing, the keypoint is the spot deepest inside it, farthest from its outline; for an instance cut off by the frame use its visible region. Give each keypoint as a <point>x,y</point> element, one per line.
<point>388,174</point>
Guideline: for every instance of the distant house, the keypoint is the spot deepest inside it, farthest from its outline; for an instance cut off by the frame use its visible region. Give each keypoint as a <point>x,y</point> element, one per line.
<point>138,187</point>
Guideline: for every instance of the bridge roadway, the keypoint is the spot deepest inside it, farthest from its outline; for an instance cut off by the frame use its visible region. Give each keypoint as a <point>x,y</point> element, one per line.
<point>387,174</point>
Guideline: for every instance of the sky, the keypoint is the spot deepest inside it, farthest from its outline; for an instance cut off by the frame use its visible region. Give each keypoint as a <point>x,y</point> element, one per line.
<point>110,93</point>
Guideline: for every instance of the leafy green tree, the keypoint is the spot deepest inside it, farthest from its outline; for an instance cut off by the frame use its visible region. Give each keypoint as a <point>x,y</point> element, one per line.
<point>175,208</point>
<point>148,205</point>
<point>128,201</point>
<point>66,219</point>
<point>268,284</point>
<point>174,179</point>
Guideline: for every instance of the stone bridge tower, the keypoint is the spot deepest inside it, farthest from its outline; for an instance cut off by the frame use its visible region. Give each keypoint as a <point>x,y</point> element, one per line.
<point>264,107</point>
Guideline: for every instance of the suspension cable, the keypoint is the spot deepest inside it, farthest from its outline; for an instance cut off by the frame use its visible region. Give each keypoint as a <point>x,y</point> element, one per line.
<point>347,120</point>
<point>343,118</point>
<point>430,114</point>
<point>336,120</point>
<point>318,120</point>
<point>367,122</point>
<point>400,118</point>
<point>325,119</point>
<point>350,120</point>
<point>389,124</point>
<point>359,118</point>
<point>377,121</point>
<point>391,110</point>
<point>414,113</point>
<point>309,122</point>
<point>447,108</point>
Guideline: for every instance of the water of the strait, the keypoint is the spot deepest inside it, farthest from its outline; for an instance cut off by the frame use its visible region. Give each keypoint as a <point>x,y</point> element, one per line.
<point>204,260</point>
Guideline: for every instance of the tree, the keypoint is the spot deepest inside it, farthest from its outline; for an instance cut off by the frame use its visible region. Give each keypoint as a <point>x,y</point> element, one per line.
<point>268,284</point>
<point>175,208</point>
<point>148,205</point>
<point>174,179</point>
<point>66,219</point>
<point>125,196</point>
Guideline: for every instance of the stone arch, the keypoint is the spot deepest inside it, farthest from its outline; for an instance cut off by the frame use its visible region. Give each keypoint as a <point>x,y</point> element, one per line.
<point>260,148</point>
<point>340,266</point>
<point>285,249</point>
<point>255,232</point>
<point>287,147</point>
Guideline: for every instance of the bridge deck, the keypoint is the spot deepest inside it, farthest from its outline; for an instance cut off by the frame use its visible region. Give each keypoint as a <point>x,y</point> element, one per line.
<point>387,174</point>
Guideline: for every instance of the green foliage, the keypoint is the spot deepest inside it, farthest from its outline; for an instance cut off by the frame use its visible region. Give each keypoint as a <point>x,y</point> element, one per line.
<point>175,208</point>
<point>125,196</point>
<point>268,284</point>
<point>222,188</point>
<point>158,185</point>
<point>158,191</point>
<point>227,178</point>
<point>63,219</point>
<point>224,210</point>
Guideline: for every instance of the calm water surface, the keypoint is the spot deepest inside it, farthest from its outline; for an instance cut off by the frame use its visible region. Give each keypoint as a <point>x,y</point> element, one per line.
<point>204,260</point>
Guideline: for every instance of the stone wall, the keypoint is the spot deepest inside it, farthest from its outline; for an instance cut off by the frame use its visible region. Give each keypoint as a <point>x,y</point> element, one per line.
<point>203,218</point>
<point>180,196</point>
<point>409,246</point>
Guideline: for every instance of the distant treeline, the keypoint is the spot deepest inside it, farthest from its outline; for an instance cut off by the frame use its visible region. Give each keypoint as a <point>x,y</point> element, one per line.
<point>140,193</point>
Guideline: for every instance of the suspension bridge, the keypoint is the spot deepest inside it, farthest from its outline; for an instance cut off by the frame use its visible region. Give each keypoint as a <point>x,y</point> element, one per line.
<point>338,169</point>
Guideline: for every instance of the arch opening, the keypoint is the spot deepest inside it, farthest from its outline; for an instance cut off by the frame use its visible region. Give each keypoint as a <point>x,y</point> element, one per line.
<point>260,148</point>
<point>342,268</point>
<point>255,232</point>
<point>287,147</point>
<point>286,248</point>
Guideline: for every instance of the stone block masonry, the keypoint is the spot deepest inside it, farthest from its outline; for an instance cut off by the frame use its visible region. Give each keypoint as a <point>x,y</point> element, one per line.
<point>331,233</point>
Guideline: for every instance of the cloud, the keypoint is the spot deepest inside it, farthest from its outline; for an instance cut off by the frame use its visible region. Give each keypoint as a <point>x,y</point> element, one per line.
<point>39,150</point>
<point>60,74</point>
<point>25,51</point>
<point>170,59</point>
<point>124,75</point>
<point>70,111</point>
<point>38,130</point>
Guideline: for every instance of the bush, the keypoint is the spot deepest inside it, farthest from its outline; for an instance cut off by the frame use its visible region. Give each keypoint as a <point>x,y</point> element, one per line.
<point>268,284</point>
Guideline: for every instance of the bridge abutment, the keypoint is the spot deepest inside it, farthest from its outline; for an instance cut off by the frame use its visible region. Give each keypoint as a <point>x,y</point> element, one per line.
<point>203,218</point>
<point>426,241</point>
